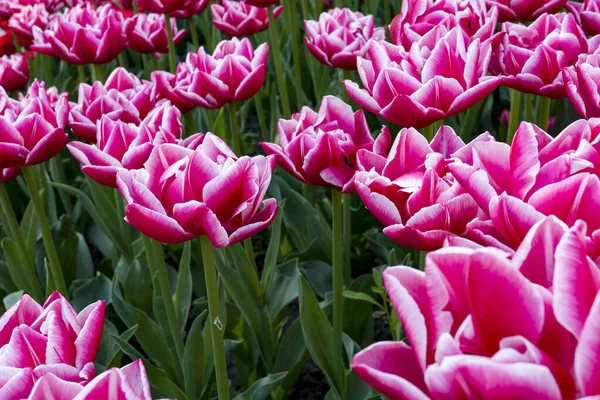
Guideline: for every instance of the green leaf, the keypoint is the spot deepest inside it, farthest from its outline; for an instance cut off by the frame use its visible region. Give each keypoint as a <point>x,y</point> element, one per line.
<point>183,293</point>
<point>138,286</point>
<point>320,276</point>
<point>193,358</point>
<point>12,257</point>
<point>284,288</point>
<point>97,288</point>
<point>349,294</point>
<point>318,337</point>
<point>262,388</point>
<point>29,227</point>
<point>12,298</point>
<point>273,250</point>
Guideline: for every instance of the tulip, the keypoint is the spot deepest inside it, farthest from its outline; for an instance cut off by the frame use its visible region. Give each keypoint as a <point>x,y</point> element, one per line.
<point>320,148</point>
<point>7,44</point>
<point>234,72</point>
<point>162,6</point>
<point>412,91</point>
<point>425,21</point>
<point>581,85</point>
<point>35,133</point>
<point>51,5</point>
<point>25,18</point>
<point>532,57</point>
<point>123,97</point>
<point>534,344</point>
<point>410,191</point>
<point>587,15</point>
<point>340,36</point>
<point>179,194</point>
<point>525,10</point>
<point>235,18</point>
<point>83,35</point>
<point>262,3</point>
<point>192,7</point>
<point>121,145</point>
<point>14,72</point>
<point>147,33</point>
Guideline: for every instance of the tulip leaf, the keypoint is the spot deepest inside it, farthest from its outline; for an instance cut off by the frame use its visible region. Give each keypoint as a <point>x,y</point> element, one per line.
<point>12,298</point>
<point>291,357</point>
<point>183,293</point>
<point>12,257</point>
<point>350,294</point>
<point>97,288</point>
<point>193,357</point>
<point>273,250</point>
<point>29,228</point>
<point>284,288</point>
<point>261,389</point>
<point>138,286</point>
<point>6,282</point>
<point>318,336</point>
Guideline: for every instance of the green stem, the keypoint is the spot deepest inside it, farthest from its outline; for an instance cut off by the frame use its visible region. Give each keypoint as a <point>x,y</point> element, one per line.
<point>347,235</point>
<point>338,274</point>
<point>291,14</point>
<point>38,204</point>
<point>233,128</point>
<point>172,56</point>
<point>387,12</point>
<point>193,32</point>
<point>99,72</point>
<point>260,114</point>
<point>81,74</point>
<point>212,292</point>
<point>285,104</point>
<point>155,257</point>
<point>346,76</point>
<point>16,40</point>
<point>339,3</point>
<point>543,112</point>
<point>515,108</point>
<point>422,256</point>
<point>190,123</point>
<point>468,125</point>
<point>528,109</point>
<point>121,58</point>
<point>428,132</point>
<point>124,229</point>
<point>9,221</point>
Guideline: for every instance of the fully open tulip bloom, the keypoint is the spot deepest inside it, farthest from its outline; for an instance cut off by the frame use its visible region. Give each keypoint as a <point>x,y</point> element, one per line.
<point>123,97</point>
<point>340,36</point>
<point>411,192</point>
<point>587,14</point>
<point>238,18</point>
<point>182,194</point>
<point>320,148</point>
<point>525,10</point>
<point>35,132</point>
<point>234,72</point>
<point>582,84</point>
<point>162,6</point>
<point>426,20</point>
<point>539,342</point>
<point>147,33</point>
<point>192,7</point>
<point>25,18</point>
<point>83,35</point>
<point>14,72</point>
<point>412,91</point>
<point>120,145</point>
<point>532,57</point>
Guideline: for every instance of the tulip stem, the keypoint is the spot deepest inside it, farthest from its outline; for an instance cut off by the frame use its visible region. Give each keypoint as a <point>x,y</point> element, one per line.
<point>387,10</point>
<point>38,205</point>
<point>543,112</point>
<point>285,104</point>
<point>156,260</point>
<point>99,72</point>
<point>11,227</point>
<point>428,132</point>
<point>233,128</point>
<point>81,73</point>
<point>172,59</point>
<point>515,108</point>
<point>528,108</point>
<point>190,123</point>
<point>338,275</point>
<point>291,14</point>
<point>193,32</point>
<point>216,327</point>
<point>347,235</point>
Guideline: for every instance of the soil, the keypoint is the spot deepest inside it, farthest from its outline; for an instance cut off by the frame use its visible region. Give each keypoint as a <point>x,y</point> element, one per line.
<point>311,385</point>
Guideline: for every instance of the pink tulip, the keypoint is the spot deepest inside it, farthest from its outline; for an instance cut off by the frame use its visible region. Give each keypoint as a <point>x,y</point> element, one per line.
<point>410,191</point>
<point>192,7</point>
<point>120,145</point>
<point>129,382</point>
<point>426,21</point>
<point>587,14</point>
<point>14,72</point>
<point>234,72</point>
<point>413,91</point>
<point>525,10</point>
<point>538,342</point>
<point>320,148</point>
<point>582,87</point>
<point>35,132</point>
<point>25,18</point>
<point>183,193</point>
<point>340,36</point>
<point>147,33</point>
<point>51,5</point>
<point>532,57</point>
<point>83,35</point>
<point>262,3</point>
<point>123,97</point>
<point>162,6</point>
<point>235,18</point>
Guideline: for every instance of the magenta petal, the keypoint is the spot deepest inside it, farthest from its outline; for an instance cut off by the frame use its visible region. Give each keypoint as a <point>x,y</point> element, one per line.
<point>587,365</point>
<point>88,340</point>
<point>49,387</point>
<point>198,219</point>
<point>158,226</point>
<point>260,221</point>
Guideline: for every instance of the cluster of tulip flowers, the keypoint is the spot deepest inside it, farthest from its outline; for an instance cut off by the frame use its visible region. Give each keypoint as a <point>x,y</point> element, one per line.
<point>505,302</point>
